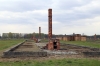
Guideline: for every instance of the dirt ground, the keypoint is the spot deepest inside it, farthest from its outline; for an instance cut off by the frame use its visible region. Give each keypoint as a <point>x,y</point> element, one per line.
<point>44,58</point>
<point>27,46</point>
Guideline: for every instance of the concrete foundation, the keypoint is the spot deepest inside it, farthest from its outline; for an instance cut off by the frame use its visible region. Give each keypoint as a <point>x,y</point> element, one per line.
<point>82,50</point>
<point>31,49</point>
<point>92,54</point>
<point>24,54</point>
<point>24,49</point>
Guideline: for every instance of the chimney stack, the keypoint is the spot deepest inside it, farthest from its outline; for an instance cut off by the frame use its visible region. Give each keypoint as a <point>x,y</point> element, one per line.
<point>50,23</point>
<point>40,32</point>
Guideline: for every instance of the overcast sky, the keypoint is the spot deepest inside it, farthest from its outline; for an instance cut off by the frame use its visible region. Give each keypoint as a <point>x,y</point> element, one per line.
<point>69,16</point>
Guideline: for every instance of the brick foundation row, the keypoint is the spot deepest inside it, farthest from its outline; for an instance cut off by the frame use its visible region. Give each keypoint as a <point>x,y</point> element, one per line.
<point>24,54</point>
<point>85,47</point>
<point>11,53</point>
<point>92,54</point>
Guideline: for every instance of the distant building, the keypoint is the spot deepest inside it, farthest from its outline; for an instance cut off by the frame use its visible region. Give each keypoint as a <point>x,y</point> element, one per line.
<point>74,37</point>
<point>83,38</point>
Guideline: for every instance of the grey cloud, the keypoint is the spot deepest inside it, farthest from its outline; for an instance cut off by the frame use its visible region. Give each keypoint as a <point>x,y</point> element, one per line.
<point>24,5</point>
<point>14,21</point>
<point>69,4</point>
<point>95,11</point>
<point>76,14</point>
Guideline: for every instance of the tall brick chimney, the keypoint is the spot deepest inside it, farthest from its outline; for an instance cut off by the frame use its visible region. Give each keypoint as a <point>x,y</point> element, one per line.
<point>95,37</point>
<point>53,43</point>
<point>40,32</point>
<point>49,23</point>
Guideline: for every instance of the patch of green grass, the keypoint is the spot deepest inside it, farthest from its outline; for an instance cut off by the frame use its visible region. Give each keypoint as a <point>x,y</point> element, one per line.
<point>94,44</point>
<point>8,43</point>
<point>60,62</point>
<point>44,40</point>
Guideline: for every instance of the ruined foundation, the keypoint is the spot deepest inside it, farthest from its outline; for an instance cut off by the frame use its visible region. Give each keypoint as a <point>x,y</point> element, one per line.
<point>24,49</point>
<point>70,49</point>
<point>82,50</point>
<point>31,49</point>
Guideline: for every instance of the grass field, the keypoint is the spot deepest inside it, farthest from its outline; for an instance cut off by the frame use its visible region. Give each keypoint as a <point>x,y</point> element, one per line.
<point>94,44</point>
<point>59,62</point>
<point>8,43</point>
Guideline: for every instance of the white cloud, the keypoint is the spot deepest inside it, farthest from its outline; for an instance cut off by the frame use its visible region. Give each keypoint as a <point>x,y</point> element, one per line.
<point>9,14</point>
<point>17,28</point>
<point>86,26</point>
<point>88,7</point>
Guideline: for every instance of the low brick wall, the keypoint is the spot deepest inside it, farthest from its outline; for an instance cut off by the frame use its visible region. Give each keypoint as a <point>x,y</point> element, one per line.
<point>14,47</point>
<point>24,54</point>
<point>92,54</point>
<point>85,47</point>
<point>11,53</point>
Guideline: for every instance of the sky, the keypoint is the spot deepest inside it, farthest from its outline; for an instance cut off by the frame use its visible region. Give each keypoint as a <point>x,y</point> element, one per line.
<point>68,16</point>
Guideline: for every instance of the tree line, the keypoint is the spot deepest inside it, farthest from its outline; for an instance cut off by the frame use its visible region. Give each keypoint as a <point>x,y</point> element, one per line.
<point>11,35</point>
